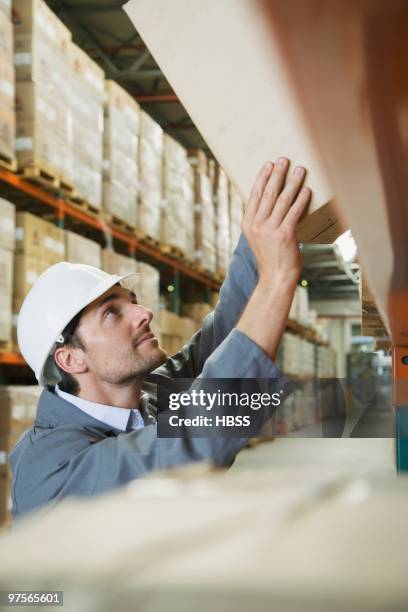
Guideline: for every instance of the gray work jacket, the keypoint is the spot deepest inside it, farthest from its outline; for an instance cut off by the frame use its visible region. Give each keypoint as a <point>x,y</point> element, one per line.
<point>68,452</point>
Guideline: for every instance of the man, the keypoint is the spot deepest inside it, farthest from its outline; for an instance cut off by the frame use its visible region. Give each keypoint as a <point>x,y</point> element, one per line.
<point>97,428</point>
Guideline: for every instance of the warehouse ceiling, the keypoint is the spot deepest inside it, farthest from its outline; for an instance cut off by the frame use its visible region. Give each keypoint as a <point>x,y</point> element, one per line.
<point>104,31</point>
<point>328,275</point>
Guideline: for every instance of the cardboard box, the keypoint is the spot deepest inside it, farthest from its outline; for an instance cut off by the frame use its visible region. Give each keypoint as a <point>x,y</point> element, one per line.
<point>198,159</point>
<point>6,37</point>
<point>7,132</point>
<point>79,249</point>
<point>54,244</point>
<point>114,263</point>
<point>6,328</point>
<point>29,235</point>
<point>27,269</point>
<point>36,145</point>
<point>241,136</point>
<point>7,87</point>
<point>5,7</point>
<point>6,271</point>
<point>86,68</point>
<point>168,323</point>
<point>7,224</point>
<point>34,15</point>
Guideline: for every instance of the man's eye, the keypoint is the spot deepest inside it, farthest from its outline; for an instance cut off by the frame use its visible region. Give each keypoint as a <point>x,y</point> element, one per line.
<point>112,310</point>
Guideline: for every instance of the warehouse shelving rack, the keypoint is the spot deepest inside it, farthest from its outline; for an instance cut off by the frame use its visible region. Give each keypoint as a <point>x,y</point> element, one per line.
<point>16,187</point>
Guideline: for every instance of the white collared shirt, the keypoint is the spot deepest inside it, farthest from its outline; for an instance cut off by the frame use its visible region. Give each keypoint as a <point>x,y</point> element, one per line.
<point>118,418</point>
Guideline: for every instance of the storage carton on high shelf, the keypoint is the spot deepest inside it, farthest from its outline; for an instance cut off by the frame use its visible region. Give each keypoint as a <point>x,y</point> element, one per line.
<point>178,213</point>
<point>120,146</point>
<point>87,98</point>
<point>150,172</point>
<point>43,111</point>
<point>79,249</point>
<point>7,88</point>
<point>7,228</point>
<point>175,331</point>
<point>39,244</point>
<point>197,311</point>
<point>115,263</point>
<point>204,223</point>
<point>222,237</point>
<point>148,293</point>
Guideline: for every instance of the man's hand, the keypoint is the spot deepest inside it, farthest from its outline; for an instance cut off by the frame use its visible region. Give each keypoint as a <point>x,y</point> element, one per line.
<point>271,215</point>
<point>269,224</point>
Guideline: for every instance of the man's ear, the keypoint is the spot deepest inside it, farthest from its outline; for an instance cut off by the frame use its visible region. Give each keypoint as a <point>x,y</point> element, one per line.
<point>70,360</point>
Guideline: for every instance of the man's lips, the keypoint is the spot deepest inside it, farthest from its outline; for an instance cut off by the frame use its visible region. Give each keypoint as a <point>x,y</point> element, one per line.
<point>148,336</point>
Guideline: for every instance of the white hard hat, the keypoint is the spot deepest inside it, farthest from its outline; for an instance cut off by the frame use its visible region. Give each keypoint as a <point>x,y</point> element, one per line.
<point>58,294</point>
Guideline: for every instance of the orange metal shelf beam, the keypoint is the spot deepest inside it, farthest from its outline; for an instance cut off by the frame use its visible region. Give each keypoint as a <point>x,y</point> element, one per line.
<point>65,208</point>
<point>12,359</point>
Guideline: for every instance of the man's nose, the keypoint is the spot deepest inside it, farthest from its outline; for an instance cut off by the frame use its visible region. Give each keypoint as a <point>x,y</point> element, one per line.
<point>141,315</point>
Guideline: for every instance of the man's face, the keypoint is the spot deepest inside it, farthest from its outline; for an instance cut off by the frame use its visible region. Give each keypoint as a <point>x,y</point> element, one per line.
<point>119,345</point>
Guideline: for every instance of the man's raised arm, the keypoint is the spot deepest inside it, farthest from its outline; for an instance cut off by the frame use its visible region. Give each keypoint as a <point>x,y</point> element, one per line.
<point>264,226</point>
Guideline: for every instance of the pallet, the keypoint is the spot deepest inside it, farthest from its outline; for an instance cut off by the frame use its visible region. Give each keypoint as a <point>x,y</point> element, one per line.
<point>66,188</point>
<point>8,163</point>
<point>41,175</point>
<point>147,239</point>
<point>173,251</point>
<point>83,205</point>
<point>119,223</point>
<point>7,346</point>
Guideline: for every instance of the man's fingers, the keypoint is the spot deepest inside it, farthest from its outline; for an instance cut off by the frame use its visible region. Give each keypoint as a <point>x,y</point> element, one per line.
<point>273,189</point>
<point>296,210</point>
<point>258,189</point>
<point>288,195</point>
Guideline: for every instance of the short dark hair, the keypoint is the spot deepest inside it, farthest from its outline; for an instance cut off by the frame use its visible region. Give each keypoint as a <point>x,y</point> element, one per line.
<point>69,383</point>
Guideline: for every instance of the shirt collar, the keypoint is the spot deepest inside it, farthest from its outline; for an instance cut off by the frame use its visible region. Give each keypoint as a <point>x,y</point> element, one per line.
<point>119,418</point>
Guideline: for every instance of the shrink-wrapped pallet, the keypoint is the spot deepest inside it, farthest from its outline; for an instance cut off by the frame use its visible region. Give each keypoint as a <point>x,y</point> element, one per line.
<point>7,89</point>
<point>82,250</point>
<point>150,173</point>
<point>204,223</point>
<point>148,292</point>
<point>120,146</point>
<point>43,92</point>
<point>222,222</point>
<point>115,263</point>
<point>87,98</point>
<point>178,215</point>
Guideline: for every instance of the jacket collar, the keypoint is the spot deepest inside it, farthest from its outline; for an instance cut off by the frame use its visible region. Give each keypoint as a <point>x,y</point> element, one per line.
<point>54,411</point>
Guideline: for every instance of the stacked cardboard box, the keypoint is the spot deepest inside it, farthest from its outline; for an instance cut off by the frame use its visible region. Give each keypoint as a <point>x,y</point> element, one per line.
<point>148,293</point>
<point>44,117</point>
<point>204,221</point>
<point>222,238</point>
<point>87,99</point>
<point>120,146</point>
<point>302,306</point>
<point>150,172</point>
<point>325,362</point>
<point>296,355</point>
<point>7,117</point>
<point>197,311</point>
<point>7,228</point>
<point>39,244</point>
<point>178,212</point>
<point>236,213</point>
<point>114,263</point>
<point>18,405</point>
<point>175,331</point>
<point>82,250</point>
